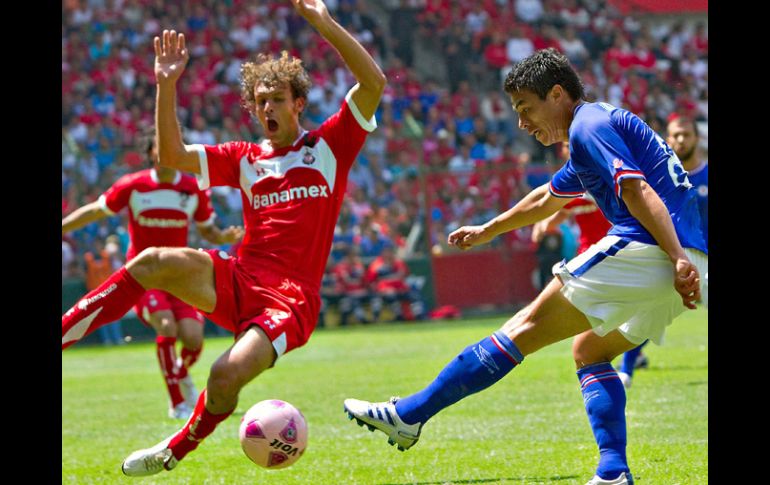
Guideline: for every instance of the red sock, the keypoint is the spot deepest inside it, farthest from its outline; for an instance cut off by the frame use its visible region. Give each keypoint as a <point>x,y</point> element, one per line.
<point>107,303</point>
<point>201,424</point>
<point>189,357</point>
<point>166,352</point>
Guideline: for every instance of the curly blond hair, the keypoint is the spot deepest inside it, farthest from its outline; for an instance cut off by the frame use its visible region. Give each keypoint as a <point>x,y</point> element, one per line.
<point>273,72</point>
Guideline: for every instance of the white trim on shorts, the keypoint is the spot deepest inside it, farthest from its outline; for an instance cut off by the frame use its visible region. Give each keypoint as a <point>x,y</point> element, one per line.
<point>626,285</point>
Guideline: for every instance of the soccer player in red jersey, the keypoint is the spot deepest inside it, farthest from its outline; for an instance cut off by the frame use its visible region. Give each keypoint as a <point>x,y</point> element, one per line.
<point>292,186</point>
<point>161,201</point>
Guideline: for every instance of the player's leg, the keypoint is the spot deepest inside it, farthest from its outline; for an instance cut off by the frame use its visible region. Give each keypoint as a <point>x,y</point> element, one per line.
<point>183,272</point>
<point>633,359</point>
<point>191,337</point>
<point>604,397</point>
<point>165,325</point>
<point>251,354</point>
<point>550,318</point>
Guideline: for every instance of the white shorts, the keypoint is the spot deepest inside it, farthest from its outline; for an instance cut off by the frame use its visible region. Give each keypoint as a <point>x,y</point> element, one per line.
<point>627,285</point>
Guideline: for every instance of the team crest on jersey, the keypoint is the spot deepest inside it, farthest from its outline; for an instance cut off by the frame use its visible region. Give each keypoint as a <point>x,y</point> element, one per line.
<point>308,158</point>
<point>617,163</point>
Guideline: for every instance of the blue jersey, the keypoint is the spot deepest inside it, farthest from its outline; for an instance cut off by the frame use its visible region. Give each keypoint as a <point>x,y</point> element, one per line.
<point>699,178</point>
<point>608,145</point>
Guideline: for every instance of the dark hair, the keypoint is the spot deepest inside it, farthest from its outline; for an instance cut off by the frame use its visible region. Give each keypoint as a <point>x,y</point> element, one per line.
<point>541,71</point>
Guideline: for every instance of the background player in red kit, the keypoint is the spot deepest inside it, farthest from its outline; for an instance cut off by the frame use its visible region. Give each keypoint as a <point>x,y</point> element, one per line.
<point>160,203</point>
<point>292,186</point>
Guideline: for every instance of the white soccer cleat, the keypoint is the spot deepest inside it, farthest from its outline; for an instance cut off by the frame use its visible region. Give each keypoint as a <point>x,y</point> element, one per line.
<point>190,393</point>
<point>150,461</point>
<point>623,479</point>
<point>383,416</point>
<point>625,379</point>
<point>181,411</point>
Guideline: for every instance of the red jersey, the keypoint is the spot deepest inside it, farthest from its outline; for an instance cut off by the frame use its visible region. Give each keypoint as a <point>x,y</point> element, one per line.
<point>351,277</point>
<point>159,213</point>
<point>385,276</point>
<point>593,225</point>
<point>291,196</point>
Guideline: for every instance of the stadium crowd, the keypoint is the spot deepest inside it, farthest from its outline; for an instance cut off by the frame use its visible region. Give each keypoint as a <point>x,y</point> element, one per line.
<point>445,127</point>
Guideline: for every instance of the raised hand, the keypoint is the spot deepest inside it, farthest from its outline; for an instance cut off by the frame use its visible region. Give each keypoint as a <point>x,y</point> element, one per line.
<point>313,11</point>
<point>468,236</point>
<point>171,56</point>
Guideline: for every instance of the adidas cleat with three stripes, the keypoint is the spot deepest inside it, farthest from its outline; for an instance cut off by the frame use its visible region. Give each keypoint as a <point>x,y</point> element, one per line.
<point>383,416</point>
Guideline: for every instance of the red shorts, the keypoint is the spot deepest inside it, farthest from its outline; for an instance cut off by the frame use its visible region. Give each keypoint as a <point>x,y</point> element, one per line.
<point>156,300</point>
<point>285,308</point>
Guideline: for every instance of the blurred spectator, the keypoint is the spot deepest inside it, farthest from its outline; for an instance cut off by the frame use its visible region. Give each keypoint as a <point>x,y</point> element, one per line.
<point>350,274</point>
<point>529,11</point>
<point>518,46</point>
<point>387,277</point>
<point>99,267</point>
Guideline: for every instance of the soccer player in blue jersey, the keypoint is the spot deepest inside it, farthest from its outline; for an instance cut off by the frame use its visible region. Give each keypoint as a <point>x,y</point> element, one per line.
<point>627,288</point>
<point>682,136</point>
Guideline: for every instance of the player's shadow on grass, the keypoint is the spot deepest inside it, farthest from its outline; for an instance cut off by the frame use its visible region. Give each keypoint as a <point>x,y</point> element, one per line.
<point>491,480</point>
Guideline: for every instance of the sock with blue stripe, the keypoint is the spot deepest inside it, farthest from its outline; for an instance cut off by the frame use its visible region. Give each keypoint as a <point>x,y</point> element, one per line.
<point>477,367</point>
<point>605,401</point>
<point>629,359</point>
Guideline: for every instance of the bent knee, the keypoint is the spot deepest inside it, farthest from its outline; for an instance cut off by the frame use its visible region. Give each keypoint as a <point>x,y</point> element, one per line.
<point>585,354</point>
<point>149,266</point>
<point>155,267</point>
<point>192,342</point>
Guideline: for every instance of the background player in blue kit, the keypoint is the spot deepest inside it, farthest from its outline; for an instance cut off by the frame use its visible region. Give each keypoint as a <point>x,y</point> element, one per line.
<point>627,288</point>
<point>682,136</point>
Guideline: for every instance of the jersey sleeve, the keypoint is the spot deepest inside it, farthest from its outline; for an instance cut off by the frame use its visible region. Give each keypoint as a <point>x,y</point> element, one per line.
<point>115,198</point>
<point>219,164</point>
<point>346,130</point>
<point>565,183</point>
<point>204,214</point>
<point>599,145</point>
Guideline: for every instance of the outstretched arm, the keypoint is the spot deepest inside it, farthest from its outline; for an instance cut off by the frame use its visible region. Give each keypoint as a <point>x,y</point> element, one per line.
<point>537,205</point>
<point>83,216</point>
<point>171,56</point>
<point>371,80</point>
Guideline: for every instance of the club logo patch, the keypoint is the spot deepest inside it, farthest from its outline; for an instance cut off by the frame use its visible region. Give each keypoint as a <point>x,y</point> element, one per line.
<point>617,163</point>
<point>308,158</point>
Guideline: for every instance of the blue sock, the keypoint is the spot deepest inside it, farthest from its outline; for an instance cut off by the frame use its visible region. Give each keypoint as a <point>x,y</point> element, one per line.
<point>477,367</point>
<point>629,359</point>
<point>605,401</point>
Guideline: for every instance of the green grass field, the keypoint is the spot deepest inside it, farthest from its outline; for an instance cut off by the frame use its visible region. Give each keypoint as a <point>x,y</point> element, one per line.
<point>529,428</point>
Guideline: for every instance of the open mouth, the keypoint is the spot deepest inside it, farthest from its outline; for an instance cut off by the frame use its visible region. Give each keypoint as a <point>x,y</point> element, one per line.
<point>272,125</point>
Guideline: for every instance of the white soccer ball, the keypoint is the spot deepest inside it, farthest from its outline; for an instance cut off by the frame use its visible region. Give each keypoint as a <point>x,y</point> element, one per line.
<point>273,434</point>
